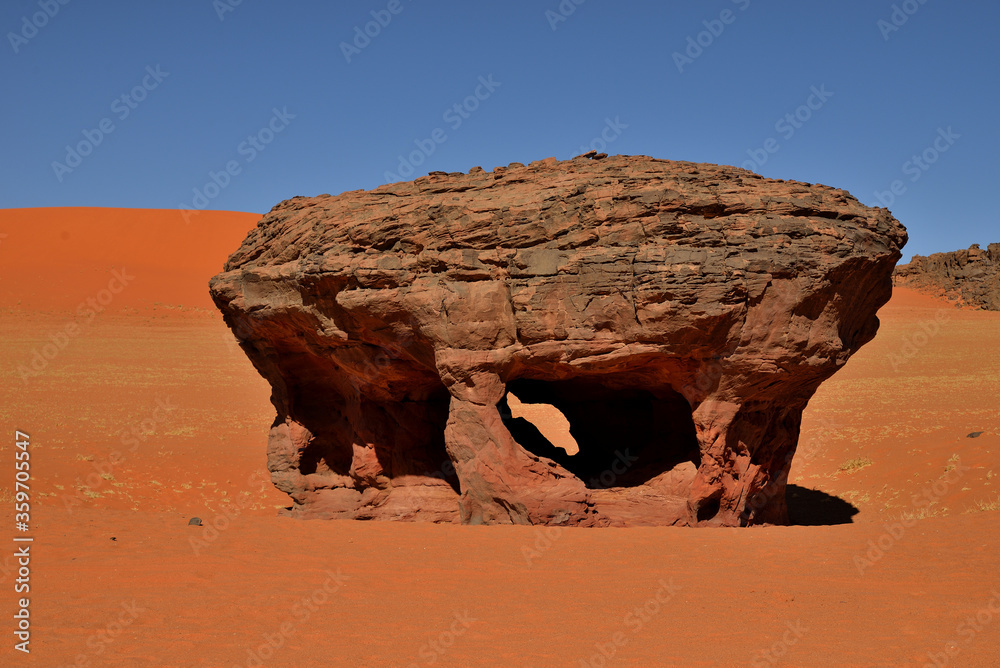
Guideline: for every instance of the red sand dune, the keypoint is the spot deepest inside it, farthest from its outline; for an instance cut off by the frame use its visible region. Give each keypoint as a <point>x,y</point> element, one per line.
<point>150,415</point>
<point>56,258</point>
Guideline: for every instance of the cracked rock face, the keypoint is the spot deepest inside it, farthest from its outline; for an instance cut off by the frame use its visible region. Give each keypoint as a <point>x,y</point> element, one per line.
<point>970,277</point>
<point>679,315</point>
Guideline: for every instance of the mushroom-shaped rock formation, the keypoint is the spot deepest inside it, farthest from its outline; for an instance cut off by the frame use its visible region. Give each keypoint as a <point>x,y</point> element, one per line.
<point>679,315</point>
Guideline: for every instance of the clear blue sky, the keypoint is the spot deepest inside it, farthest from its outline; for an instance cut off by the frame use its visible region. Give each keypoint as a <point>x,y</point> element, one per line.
<point>555,86</point>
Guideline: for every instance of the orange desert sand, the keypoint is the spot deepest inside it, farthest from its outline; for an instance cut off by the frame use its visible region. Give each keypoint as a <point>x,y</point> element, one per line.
<point>143,413</point>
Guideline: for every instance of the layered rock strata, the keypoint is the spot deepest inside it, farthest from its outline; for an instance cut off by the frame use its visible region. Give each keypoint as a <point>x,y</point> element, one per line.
<point>679,315</point>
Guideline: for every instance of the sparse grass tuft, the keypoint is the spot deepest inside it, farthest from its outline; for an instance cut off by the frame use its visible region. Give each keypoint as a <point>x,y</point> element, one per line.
<point>855,464</point>
<point>857,497</point>
<point>984,505</point>
<point>952,463</point>
<point>933,510</point>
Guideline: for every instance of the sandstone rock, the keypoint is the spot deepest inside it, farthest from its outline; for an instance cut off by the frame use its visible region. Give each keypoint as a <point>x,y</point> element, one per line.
<point>679,315</point>
<point>970,277</point>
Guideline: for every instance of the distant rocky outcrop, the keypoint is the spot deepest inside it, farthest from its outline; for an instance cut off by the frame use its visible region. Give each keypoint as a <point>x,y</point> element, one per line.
<point>680,316</point>
<point>969,277</point>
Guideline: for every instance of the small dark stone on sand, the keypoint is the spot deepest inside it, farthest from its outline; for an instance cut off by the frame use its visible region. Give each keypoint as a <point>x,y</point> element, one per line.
<point>194,521</point>
<point>975,434</point>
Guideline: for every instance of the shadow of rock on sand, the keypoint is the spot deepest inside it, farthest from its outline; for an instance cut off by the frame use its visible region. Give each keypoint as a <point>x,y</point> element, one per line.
<point>811,507</point>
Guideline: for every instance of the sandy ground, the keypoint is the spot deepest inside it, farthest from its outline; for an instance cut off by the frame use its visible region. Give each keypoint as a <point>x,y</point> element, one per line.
<point>148,414</point>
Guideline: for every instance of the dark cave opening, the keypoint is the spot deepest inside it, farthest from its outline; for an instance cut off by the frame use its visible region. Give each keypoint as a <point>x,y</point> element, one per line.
<point>407,433</point>
<point>626,437</point>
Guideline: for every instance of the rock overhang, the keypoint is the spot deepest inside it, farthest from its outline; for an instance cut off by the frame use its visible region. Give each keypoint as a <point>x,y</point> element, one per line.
<point>391,322</point>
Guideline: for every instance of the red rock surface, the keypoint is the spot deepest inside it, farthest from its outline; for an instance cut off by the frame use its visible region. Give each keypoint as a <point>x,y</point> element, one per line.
<point>680,316</point>
<point>970,277</point>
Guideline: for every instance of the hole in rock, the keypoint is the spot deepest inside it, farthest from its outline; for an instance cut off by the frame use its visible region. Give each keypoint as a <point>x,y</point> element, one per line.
<point>624,436</point>
<point>549,421</point>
